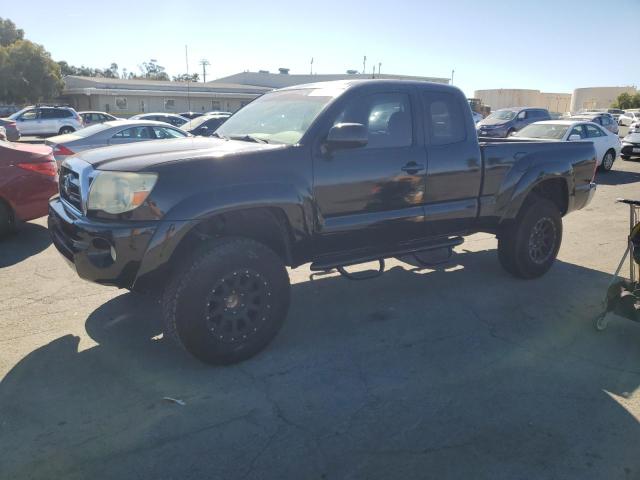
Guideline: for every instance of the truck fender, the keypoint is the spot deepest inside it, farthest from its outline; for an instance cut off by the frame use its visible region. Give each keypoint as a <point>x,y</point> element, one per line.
<point>194,210</point>
<point>519,184</point>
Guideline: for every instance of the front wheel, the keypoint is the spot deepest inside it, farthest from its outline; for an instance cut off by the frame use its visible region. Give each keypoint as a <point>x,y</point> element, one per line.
<point>65,130</point>
<point>528,246</point>
<point>228,302</point>
<point>607,161</point>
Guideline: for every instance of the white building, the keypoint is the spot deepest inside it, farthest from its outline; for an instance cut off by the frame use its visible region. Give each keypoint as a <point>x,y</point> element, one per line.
<point>597,97</point>
<point>517,97</point>
<point>129,97</point>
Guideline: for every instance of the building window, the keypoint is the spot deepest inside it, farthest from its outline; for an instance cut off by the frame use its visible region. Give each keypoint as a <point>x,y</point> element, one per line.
<point>215,105</point>
<point>121,103</point>
<point>169,104</point>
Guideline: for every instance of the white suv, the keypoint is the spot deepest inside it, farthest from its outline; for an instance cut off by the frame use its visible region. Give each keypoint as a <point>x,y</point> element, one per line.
<point>47,120</point>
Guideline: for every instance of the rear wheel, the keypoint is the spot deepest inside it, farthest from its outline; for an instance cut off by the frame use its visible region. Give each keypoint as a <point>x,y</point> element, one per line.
<point>528,246</point>
<point>65,130</point>
<point>229,302</point>
<point>607,161</point>
<point>6,219</point>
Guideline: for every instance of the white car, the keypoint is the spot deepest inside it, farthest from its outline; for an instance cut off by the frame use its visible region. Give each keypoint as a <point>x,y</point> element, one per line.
<point>40,121</point>
<point>634,128</point>
<point>627,118</point>
<point>607,144</point>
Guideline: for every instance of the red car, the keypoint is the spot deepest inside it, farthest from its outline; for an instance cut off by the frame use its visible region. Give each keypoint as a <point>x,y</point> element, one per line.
<point>28,178</point>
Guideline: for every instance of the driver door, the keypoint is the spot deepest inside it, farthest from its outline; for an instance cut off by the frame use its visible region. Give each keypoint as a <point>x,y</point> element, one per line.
<point>27,123</point>
<point>373,194</point>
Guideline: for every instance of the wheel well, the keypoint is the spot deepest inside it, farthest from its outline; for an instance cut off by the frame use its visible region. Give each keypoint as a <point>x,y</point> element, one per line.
<point>554,189</point>
<point>268,226</point>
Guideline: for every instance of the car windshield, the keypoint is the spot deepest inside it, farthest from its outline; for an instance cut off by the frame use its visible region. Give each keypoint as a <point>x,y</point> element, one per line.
<point>196,122</point>
<point>552,131</point>
<point>279,117</point>
<point>501,116</point>
<point>18,113</point>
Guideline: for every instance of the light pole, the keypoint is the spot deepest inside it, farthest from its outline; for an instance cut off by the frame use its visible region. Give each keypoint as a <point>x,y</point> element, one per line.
<point>205,63</point>
<point>452,72</point>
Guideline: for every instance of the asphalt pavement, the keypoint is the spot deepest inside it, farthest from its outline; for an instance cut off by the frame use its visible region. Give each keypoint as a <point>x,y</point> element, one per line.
<point>459,372</point>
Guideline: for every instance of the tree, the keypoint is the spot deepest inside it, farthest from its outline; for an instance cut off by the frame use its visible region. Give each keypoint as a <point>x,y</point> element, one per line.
<point>194,77</point>
<point>150,71</point>
<point>626,100</point>
<point>28,73</point>
<point>9,33</point>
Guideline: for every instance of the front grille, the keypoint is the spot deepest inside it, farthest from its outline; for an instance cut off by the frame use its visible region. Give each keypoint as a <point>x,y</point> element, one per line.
<point>70,187</point>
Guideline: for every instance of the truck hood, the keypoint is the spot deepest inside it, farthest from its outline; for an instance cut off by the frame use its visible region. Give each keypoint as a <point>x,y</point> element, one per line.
<point>133,157</point>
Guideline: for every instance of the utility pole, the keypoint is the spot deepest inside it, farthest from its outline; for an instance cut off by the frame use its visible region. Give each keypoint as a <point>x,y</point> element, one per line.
<point>311,65</point>
<point>452,72</point>
<point>205,63</point>
<point>364,65</point>
<point>379,65</point>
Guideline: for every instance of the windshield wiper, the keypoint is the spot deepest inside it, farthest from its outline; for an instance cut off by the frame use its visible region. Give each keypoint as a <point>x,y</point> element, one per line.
<point>218,135</point>
<point>248,138</point>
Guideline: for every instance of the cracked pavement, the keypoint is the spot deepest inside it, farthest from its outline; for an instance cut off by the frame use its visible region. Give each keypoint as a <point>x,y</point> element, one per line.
<point>462,372</point>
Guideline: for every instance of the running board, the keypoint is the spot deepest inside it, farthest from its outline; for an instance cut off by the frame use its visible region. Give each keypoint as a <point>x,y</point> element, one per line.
<point>341,261</point>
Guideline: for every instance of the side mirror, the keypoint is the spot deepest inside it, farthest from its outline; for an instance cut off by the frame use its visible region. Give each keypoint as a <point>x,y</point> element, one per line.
<point>347,135</point>
<point>575,137</point>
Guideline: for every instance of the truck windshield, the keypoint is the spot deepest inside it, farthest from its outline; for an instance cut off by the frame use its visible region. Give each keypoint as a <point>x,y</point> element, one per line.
<point>552,131</point>
<point>278,117</point>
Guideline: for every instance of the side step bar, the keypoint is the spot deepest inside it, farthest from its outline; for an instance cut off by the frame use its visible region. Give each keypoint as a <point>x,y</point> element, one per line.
<point>342,261</point>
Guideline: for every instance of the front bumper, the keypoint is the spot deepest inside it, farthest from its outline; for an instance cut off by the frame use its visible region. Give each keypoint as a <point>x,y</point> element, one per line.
<point>103,252</point>
<point>495,133</point>
<point>628,150</point>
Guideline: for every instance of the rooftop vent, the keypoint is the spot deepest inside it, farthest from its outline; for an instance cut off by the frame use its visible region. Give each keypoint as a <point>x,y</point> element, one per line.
<point>284,71</point>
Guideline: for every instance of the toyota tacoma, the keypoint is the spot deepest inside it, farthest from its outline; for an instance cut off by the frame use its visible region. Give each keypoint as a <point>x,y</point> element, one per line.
<point>333,174</point>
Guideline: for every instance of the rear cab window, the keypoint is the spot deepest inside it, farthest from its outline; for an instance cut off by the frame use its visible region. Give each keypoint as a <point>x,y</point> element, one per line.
<point>444,118</point>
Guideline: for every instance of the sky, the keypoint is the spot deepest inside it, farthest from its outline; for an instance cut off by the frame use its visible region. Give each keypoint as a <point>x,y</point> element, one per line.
<point>552,46</point>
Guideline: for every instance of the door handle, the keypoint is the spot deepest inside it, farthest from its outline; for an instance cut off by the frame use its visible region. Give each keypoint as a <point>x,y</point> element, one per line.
<point>412,168</point>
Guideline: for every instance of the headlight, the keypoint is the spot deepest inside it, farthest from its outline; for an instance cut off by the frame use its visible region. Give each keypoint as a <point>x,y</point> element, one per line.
<point>119,192</point>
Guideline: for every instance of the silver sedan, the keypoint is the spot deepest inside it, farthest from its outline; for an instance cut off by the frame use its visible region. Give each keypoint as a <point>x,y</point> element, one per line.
<point>111,133</point>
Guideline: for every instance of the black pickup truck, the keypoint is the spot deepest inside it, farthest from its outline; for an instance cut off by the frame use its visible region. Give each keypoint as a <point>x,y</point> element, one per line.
<point>336,174</point>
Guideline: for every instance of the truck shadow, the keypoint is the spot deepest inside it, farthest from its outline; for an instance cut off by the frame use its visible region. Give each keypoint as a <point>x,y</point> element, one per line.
<point>617,177</point>
<point>462,370</point>
<point>29,239</point>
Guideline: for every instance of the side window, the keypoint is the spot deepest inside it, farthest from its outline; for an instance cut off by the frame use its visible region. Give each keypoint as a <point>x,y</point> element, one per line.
<point>387,117</point>
<point>29,115</point>
<point>133,133</point>
<point>162,132</point>
<point>48,113</point>
<point>445,119</point>
<point>523,115</point>
<point>593,131</point>
<point>606,121</point>
<point>578,130</point>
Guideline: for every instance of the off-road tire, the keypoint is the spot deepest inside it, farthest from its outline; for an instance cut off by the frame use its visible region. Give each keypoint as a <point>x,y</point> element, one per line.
<point>192,300</point>
<point>7,221</point>
<point>538,223</point>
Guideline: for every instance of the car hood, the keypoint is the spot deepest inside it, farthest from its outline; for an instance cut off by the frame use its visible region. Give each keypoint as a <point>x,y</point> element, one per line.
<point>134,157</point>
<point>491,123</point>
